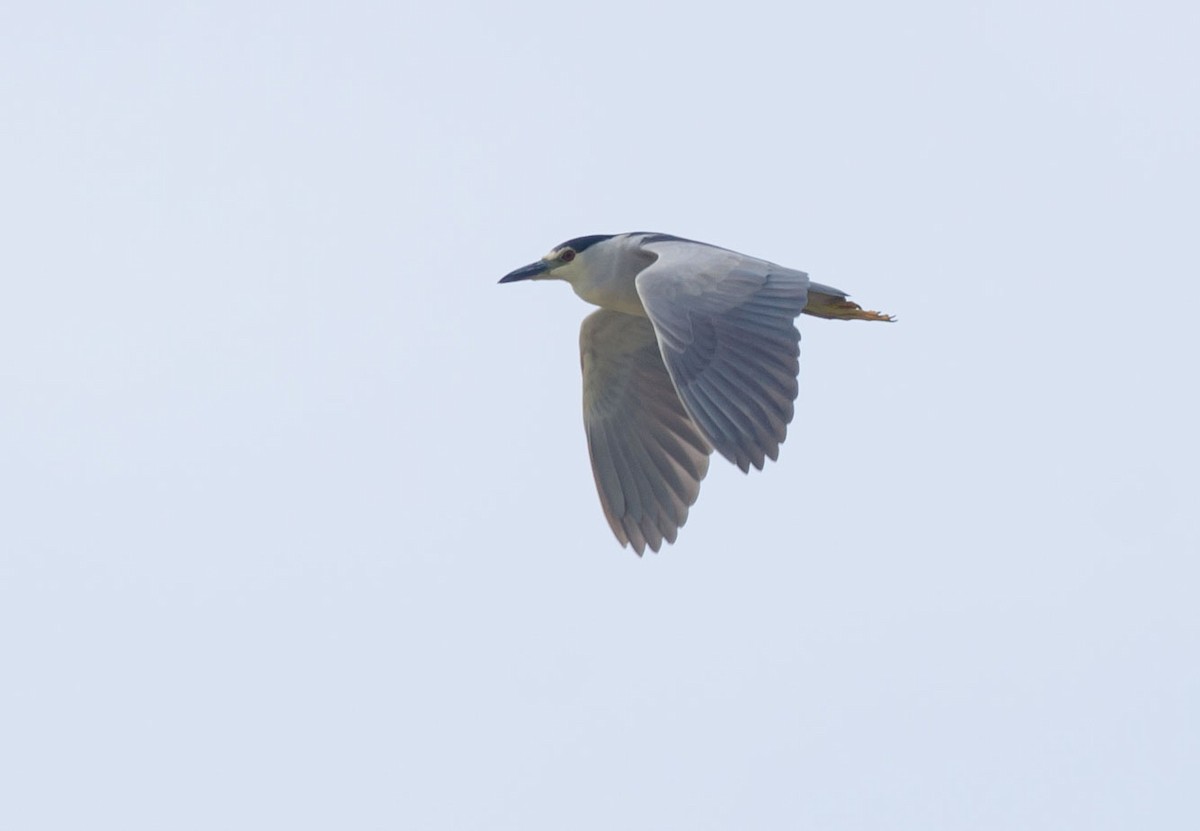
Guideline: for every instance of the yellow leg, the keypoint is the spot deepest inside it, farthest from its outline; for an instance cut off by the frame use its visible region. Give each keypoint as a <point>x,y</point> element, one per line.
<point>839,308</point>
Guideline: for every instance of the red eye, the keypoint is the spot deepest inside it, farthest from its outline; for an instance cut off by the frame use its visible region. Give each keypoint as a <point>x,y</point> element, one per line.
<point>567,255</point>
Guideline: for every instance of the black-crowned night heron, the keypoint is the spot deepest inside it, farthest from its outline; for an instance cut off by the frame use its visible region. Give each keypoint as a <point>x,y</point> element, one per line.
<point>694,348</point>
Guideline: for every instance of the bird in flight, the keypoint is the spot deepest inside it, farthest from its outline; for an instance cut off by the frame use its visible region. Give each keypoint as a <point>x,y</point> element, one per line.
<point>694,348</point>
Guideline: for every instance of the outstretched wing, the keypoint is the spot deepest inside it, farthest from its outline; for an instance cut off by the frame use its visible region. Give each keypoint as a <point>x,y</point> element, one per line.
<point>647,455</point>
<point>725,325</point>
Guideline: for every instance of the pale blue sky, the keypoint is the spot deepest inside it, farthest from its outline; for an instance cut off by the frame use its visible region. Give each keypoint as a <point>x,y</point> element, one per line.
<point>297,528</point>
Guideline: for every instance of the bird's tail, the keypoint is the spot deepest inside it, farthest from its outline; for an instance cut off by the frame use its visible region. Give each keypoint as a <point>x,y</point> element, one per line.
<point>832,304</point>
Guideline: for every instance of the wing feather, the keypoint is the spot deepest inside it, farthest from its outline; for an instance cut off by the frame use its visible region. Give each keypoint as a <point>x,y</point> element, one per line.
<point>725,327</point>
<point>648,456</point>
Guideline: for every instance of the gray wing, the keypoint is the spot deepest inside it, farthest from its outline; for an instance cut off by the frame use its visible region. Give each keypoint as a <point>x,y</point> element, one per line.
<point>647,455</point>
<point>724,323</point>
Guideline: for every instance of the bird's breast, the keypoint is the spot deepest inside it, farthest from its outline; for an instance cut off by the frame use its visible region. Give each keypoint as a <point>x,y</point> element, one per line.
<point>618,294</point>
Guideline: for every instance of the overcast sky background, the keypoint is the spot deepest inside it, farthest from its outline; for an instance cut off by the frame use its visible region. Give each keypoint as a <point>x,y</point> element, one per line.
<point>297,526</point>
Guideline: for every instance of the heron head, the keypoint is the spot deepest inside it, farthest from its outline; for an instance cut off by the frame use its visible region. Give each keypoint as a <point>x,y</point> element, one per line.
<point>567,261</point>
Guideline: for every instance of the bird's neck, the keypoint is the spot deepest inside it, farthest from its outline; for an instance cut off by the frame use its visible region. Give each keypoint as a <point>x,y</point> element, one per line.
<point>610,280</point>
